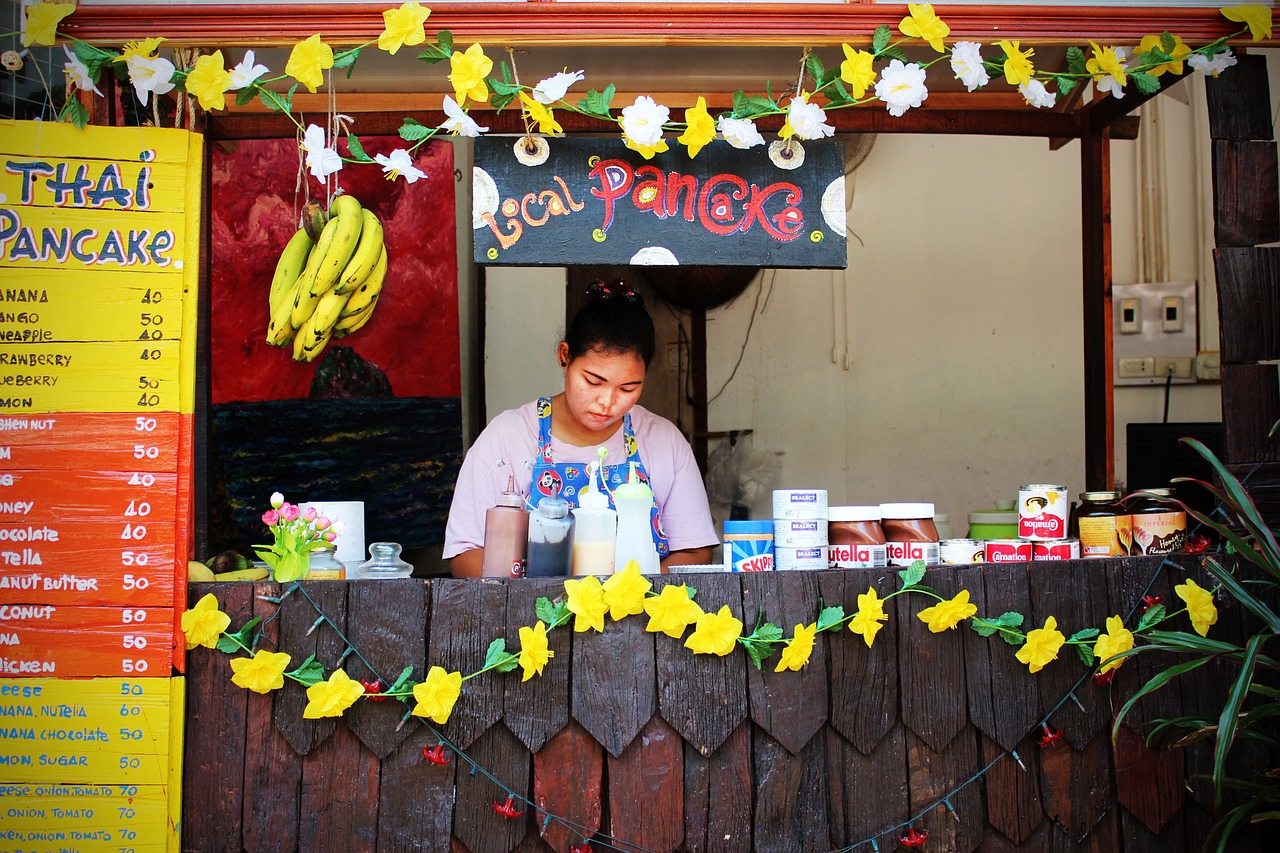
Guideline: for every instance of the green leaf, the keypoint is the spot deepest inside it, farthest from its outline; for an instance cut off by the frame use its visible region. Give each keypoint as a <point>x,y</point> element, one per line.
<point>503,88</point>
<point>94,58</point>
<point>1076,61</point>
<point>766,632</point>
<point>245,95</point>
<point>1153,615</point>
<point>441,50</point>
<point>1065,85</point>
<point>413,130</point>
<point>1233,586</point>
<point>830,618</point>
<point>1086,654</point>
<point>1231,712</point>
<point>234,641</point>
<point>758,653</point>
<point>598,103</point>
<point>880,38</point>
<point>1011,620</point>
<point>692,592</point>
<point>501,102</point>
<point>401,680</point>
<point>894,52</point>
<point>838,93</point>
<point>1155,683</point>
<point>75,112</point>
<point>310,672</point>
<point>347,59</point>
<point>1168,42</point>
<point>746,106</point>
<point>1146,84</point>
<point>1083,634</point>
<point>912,574</point>
<point>277,102</point>
<point>544,609</point>
<point>356,149</point>
<point>497,649</point>
<point>813,64</point>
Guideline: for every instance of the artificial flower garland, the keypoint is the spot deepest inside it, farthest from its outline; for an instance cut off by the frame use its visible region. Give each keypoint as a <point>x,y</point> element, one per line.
<point>901,85</point>
<point>671,612</point>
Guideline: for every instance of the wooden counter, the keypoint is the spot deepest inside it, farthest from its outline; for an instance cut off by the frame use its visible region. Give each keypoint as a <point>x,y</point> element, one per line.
<point>630,733</point>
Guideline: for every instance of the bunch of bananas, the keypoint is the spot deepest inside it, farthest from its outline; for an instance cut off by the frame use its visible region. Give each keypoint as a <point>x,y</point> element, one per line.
<point>328,278</point>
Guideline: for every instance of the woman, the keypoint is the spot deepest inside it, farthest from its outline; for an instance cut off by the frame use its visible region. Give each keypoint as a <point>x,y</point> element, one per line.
<point>546,444</point>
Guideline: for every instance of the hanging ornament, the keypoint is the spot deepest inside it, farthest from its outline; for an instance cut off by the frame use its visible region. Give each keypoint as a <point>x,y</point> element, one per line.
<point>1197,543</point>
<point>1048,735</point>
<point>373,690</point>
<point>508,809</point>
<point>435,754</point>
<point>584,847</point>
<point>1150,601</point>
<point>914,837</point>
<point>1102,679</point>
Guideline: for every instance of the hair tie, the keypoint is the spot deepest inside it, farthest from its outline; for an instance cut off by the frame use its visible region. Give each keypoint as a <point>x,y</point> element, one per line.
<point>599,290</point>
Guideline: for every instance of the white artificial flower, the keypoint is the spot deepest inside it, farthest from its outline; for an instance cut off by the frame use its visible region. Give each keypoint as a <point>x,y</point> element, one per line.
<point>1037,95</point>
<point>739,132</point>
<point>321,160</point>
<point>808,120</point>
<point>554,88</point>
<point>78,73</point>
<point>154,74</point>
<point>901,87</point>
<point>966,62</point>
<point>339,527</point>
<point>458,122</point>
<point>642,121</point>
<point>1220,62</point>
<point>246,73</point>
<point>400,164</point>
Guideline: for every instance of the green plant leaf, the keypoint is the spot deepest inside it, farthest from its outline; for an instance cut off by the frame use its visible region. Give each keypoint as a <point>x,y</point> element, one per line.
<point>757,652</point>
<point>401,680</point>
<point>357,150</point>
<point>1242,595</point>
<point>74,112</point>
<point>1157,681</point>
<point>1153,615</point>
<point>245,95</point>
<point>880,38</point>
<point>496,653</point>
<point>912,574</point>
<point>1167,42</point>
<point>598,103</point>
<point>440,51</point>
<point>1241,503</point>
<point>838,94</point>
<point>747,106</point>
<point>1083,634</point>
<point>277,101</point>
<point>1230,717</point>
<point>1076,61</point>
<point>894,52</point>
<point>413,130</point>
<point>234,641</point>
<point>830,618</point>
<point>1086,654</point>
<point>1010,619</point>
<point>310,672</point>
<point>813,64</point>
<point>1147,84</point>
<point>347,59</point>
<point>94,58</point>
<point>766,632</point>
<point>1064,85</point>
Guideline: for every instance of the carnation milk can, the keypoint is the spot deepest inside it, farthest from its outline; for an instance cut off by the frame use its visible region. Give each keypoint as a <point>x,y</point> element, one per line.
<point>1042,511</point>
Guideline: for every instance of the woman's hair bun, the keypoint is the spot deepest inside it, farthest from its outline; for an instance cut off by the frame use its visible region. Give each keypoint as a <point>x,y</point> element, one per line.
<point>606,291</point>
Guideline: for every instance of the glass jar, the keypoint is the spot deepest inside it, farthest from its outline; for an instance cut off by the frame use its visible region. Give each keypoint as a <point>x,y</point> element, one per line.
<point>325,565</point>
<point>1105,528</point>
<point>1159,522</point>
<point>384,562</point>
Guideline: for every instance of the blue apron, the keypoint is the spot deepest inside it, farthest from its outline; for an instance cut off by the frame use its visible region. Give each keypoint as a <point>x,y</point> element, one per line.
<point>571,477</point>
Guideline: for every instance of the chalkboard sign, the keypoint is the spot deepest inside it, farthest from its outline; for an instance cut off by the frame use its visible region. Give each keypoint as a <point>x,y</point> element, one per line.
<point>595,201</point>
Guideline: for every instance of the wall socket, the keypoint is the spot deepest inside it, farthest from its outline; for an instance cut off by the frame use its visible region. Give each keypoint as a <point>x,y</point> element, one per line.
<point>1209,366</point>
<point>1136,367</point>
<point>1178,367</point>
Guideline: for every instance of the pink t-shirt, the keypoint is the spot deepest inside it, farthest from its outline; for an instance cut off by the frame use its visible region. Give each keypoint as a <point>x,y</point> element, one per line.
<point>509,445</point>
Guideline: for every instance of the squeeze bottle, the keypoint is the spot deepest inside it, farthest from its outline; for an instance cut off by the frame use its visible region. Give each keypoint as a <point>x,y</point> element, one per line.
<point>506,535</point>
<point>595,529</point>
<point>550,538</point>
<point>634,500</point>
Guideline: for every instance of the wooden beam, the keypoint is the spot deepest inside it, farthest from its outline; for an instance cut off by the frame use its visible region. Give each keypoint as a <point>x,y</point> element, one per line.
<point>1099,386</point>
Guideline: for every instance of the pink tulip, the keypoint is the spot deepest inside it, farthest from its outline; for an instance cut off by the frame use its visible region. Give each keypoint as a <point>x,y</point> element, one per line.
<point>322,523</point>
<point>270,517</point>
<point>329,535</point>
<point>309,514</point>
<point>289,512</point>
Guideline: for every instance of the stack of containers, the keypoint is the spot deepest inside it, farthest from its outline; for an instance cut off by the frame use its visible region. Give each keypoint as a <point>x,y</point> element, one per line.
<point>800,529</point>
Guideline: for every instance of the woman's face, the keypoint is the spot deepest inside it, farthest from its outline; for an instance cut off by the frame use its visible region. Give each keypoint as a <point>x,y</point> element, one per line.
<point>601,386</point>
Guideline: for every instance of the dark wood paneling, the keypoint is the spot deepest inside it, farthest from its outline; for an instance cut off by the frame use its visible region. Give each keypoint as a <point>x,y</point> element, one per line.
<point>415,798</point>
<point>1248,305</point>
<point>864,681</point>
<point>614,690</point>
<point>1149,781</point>
<point>538,708</point>
<point>646,791</point>
<point>1095,248</point>
<point>339,795</point>
<point>868,791</point>
<point>568,777</point>
<point>301,637</point>
<point>1246,193</point>
<point>465,617</point>
<point>1013,790</point>
<point>1001,691</point>
<point>1076,785</point>
<point>791,796</point>
<point>476,823</point>
<point>1250,408</point>
<point>1239,100</point>
<point>956,823</point>
<point>931,666</point>
<point>1262,479</point>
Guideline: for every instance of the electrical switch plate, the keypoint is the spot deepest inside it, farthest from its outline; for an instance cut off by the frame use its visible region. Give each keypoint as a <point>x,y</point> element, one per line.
<point>1130,316</point>
<point>1178,367</point>
<point>1171,319</point>
<point>1208,367</point>
<point>1136,368</point>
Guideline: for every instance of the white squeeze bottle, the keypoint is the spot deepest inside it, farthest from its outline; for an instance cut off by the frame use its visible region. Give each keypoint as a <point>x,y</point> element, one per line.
<point>595,528</point>
<point>634,500</point>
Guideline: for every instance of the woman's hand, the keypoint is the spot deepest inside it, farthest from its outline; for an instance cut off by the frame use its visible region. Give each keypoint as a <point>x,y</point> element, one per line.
<point>468,564</point>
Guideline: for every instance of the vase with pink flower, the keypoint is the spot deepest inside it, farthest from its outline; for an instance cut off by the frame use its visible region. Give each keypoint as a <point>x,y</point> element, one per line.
<point>296,533</point>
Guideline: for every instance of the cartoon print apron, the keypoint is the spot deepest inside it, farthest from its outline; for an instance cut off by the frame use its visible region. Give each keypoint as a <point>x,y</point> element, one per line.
<point>571,477</point>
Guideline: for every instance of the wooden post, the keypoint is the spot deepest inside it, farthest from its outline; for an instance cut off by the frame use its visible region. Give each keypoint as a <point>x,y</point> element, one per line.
<point>698,380</point>
<point>1099,387</point>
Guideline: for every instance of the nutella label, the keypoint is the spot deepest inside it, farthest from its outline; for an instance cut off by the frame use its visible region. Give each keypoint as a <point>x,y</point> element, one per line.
<point>1008,551</point>
<point>906,553</point>
<point>859,556</point>
<point>1042,512</point>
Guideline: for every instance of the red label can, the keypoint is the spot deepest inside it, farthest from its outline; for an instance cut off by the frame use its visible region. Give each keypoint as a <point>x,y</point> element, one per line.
<point>1042,511</point>
<point>1059,549</point>
<point>1008,551</point>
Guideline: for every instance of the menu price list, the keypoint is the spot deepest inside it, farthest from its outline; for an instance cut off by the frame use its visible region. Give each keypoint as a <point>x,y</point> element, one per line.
<point>89,765</point>
<point>142,441</point>
<point>83,642</point>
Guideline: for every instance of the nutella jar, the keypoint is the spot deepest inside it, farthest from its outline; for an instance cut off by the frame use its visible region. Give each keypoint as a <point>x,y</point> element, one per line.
<point>856,539</point>
<point>1159,524</point>
<point>910,533</point>
<point>1105,527</point>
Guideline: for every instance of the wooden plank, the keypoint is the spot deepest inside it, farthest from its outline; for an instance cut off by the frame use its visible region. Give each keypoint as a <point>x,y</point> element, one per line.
<point>1149,781</point>
<point>538,708</point>
<point>614,689</point>
<point>1013,790</point>
<point>339,795</point>
<point>1130,579</point>
<point>466,615</point>
<point>1248,281</point>
<point>1246,192</point>
<point>1102,838</point>
<point>704,724</point>
<point>994,842</point>
<point>415,798</point>
<point>933,774</point>
<point>1076,785</point>
<point>791,793</point>
<point>646,791</point>
<point>717,796</point>
<point>1250,406</point>
<point>1095,249</point>
<point>1239,100</point>
<point>298,614</point>
<point>387,624</point>
<point>931,666</point>
<point>272,769</point>
<point>1136,838</point>
<point>568,783</point>
<point>868,790</point>
<point>1263,482</point>
<point>213,765</point>
<point>790,706</point>
<point>475,822</point>
<point>1002,698</point>
<point>864,681</point>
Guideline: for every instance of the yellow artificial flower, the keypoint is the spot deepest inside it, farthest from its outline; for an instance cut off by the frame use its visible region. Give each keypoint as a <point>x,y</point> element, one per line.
<point>586,603</point>
<point>1041,646</point>
<point>700,128</point>
<point>204,623</point>
<point>715,633</point>
<point>924,24</point>
<point>798,649</point>
<point>1117,640</point>
<point>42,22</point>
<point>467,74</point>
<point>948,614</point>
<point>1254,15</point>
<point>403,26</point>
<point>141,49</point>
<point>534,653</point>
<point>646,151</point>
<point>869,616</point>
<point>1178,54</point>
<point>857,70</point>
<point>261,673</point>
<point>1105,63</point>
<point>209,81</point>
<point>541,114</point>
<point>308,61</point>
<point>1200,606</point>
<point>330,698</point>
<point>437,695</point>
<point>624,592</point>
<point>671,610</point>
<point>1017,64</point>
